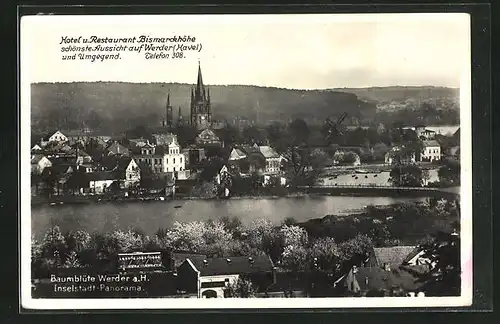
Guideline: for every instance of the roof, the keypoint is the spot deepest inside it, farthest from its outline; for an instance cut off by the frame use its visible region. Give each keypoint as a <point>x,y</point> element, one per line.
<point>237,154</point>
<point>431,143</point>
<point>374,278</point>
<point>36,158</point>
<point>393,256</point>
<point>268,152</point>
<point>233,265</point>
<point>101,176</point>
<point>117,148</point>
<point>179,257</point>
<point>164,139</point>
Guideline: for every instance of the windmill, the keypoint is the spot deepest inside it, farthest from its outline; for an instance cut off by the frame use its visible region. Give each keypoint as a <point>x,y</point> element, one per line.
<point>333,128</point>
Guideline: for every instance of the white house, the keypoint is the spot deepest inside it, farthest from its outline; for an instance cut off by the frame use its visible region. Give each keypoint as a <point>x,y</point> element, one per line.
<point>432,151</point>
<point>174,160</point>
<point>58,137</point>
<point>39,163</point>
<point>101,181</point>
<point>272,159</point>
<point>389,156</point>
<point>128,172</point>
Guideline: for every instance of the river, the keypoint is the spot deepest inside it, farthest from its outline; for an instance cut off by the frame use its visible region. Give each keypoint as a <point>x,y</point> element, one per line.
<point>149,216</point>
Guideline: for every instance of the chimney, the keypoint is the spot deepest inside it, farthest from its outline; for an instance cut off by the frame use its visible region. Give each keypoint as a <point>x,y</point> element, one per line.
<point>250,259</point>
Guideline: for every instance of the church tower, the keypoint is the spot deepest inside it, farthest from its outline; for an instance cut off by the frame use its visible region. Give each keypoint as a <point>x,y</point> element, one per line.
<point>168,121</point>
<point>201,114</point>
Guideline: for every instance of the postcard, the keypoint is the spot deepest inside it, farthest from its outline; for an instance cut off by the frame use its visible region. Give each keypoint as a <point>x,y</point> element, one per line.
<point>245,161</point>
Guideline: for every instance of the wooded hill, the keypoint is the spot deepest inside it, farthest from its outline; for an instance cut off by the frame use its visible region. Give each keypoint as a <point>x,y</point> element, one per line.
<point>108,104</point>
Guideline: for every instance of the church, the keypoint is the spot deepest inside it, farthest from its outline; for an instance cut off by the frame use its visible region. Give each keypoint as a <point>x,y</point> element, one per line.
<point>201,110</point>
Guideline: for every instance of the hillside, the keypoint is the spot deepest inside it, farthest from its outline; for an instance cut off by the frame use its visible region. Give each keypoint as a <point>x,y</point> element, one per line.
<point>118,105</point>
<point>401,94</point>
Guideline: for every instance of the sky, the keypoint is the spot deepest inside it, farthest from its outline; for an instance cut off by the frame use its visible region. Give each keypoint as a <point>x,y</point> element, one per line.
<point>288,51</point>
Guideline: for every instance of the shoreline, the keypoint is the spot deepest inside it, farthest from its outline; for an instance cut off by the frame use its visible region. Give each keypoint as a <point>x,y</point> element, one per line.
<point>322,192</point>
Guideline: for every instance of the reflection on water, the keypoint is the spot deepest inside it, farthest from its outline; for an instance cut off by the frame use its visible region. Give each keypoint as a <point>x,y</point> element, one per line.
<point>149,216</point>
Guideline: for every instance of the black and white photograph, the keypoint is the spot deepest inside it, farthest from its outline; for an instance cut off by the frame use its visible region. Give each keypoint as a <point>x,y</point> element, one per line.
<point>246,161</point>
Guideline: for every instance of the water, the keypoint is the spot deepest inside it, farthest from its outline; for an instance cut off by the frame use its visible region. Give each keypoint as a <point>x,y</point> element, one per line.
<point>149,216</point>
<point>369,179</point>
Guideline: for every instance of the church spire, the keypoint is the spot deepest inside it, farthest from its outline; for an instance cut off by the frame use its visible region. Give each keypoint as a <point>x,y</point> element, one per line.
<point>200,89</point>
<point>208,95</point>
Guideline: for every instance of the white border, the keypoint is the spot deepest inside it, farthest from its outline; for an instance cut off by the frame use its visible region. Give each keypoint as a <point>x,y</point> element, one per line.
<point>271,303</point>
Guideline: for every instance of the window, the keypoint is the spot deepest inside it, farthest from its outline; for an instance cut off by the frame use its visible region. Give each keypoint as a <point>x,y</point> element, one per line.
<point>174,160</point>
<point>181,160</point>
<point>166,160</point>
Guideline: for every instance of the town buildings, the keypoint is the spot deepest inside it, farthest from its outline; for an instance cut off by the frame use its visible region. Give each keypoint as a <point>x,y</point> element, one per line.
<point>431,152</point>
<point>211,278</point>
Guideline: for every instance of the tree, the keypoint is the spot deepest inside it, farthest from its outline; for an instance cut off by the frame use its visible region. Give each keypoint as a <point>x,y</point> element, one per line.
<point>449,173</point>
<point>186,236</point>
<point>355,250</point>
<point>295,258</point>
<point>293,235</point>
<point>54,246</point>
<point>327,254</point>
<point>444,278</point>
<point>299,132</point>
<point>242,288</point>
<point>406,176</point>
<point>253,134</point>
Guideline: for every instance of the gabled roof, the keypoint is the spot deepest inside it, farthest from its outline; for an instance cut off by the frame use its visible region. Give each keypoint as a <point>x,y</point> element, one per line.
<point>36,158</point>
<point>392,256</point>
<point>117,148</point>
<point>431,143</point>
<point>374,278</point>
<point>237,154</point>
<point>233,265</point>
<point>207,133</point>
<point>179,257</point>
<point>268,152</point>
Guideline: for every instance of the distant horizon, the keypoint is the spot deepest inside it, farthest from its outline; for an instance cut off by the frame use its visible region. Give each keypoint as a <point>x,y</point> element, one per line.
<point>254,85</point>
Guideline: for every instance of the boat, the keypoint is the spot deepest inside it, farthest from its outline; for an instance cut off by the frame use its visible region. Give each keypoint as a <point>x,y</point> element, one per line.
<point>178,206</point>
<point>361,171</point>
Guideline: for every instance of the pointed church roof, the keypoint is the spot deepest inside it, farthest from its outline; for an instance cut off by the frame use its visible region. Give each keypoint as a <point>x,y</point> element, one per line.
<point>200,89</point>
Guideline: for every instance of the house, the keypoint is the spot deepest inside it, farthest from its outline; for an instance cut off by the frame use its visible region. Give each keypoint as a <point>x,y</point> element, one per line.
<point>85,136</point>
<point>177,258</point>
<point>207,138</point>
<point>163,159</point>
<point>424,133</point>
<point>116,148</point>
<point>101,181</point>
<point>378,282</point>
<point>396,154</point>
<point>237,154</point>
<point>210,278</point>
<point>36,148</point>
<point>432,151</point>
<point>164,139</point>
<point>389,257</point>
<point>58,137</point>
<point>38,163</point>
<point>272,159</point>
<point>128,172</point>
<point>83,157</point>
